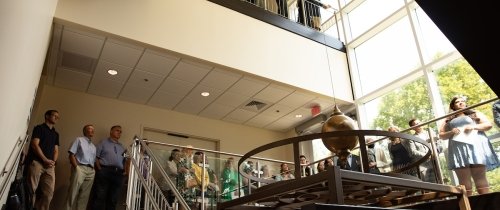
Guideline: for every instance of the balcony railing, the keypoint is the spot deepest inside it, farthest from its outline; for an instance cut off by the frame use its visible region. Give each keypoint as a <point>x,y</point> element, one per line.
<point>308,18</point>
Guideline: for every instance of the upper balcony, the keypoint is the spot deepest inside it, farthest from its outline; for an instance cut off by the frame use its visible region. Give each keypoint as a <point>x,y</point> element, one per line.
<point>308,18</point>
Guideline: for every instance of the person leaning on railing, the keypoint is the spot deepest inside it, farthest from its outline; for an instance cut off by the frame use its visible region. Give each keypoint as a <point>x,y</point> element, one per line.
<point>310,9</point>
<point>426,169</point>
<point>402,152</point>
<point>470,153</point>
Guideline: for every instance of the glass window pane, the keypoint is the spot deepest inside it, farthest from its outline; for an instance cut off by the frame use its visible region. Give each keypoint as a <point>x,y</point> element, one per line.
<point>392,52</point>
<point>369,13</point>
<point>459,78</point>
<point>434,43</point>
<point>332,30</point>
<point>320,151</point>
<point>399,106</point>
<point>333,3</point>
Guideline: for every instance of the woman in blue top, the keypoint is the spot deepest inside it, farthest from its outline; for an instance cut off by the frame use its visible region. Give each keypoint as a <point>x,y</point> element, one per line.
<point>470,153</point>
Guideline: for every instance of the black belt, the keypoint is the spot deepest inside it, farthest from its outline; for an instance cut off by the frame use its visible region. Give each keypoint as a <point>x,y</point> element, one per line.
<point>113,168</point>
<point>88,165</point>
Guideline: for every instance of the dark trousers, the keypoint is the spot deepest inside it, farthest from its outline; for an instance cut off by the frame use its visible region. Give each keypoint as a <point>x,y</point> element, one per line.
<point>108,183</point>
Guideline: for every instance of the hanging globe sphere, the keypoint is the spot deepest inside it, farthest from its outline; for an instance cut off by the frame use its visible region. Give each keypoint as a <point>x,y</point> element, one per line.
<point>340,122</point>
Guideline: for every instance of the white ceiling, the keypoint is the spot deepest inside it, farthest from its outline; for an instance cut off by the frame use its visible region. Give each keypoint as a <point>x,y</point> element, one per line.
<point>79,60</point>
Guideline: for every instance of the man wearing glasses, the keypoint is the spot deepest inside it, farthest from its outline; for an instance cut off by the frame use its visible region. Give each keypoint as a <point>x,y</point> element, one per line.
<point>110,164</point>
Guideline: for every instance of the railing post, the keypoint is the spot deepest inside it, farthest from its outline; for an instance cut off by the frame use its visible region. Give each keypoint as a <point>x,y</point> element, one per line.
<point>296,160</point>
<point>257,168</point>
<point>303,13</point>
<point>435,158</point>
<point>203,170</point>
<point>132,182</point>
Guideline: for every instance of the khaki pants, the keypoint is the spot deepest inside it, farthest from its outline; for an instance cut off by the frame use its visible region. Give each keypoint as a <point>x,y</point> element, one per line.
<point>44,179</point>
<point>269,5</point>
<point>81,180</point>
<point>316,22</point>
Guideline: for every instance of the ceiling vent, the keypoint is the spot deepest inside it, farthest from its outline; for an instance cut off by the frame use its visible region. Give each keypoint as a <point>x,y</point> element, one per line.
<point>254,105</point>
<point>78,62</point>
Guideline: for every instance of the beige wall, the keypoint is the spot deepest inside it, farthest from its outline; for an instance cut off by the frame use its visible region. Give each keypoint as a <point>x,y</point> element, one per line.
<point>25,30</point>
<point>219,35</point>
<point>77,109</point>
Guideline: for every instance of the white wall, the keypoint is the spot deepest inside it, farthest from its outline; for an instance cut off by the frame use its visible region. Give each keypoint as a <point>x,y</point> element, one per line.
<point>77,109</point>
<point>25,31</point>
<point>216,34</point>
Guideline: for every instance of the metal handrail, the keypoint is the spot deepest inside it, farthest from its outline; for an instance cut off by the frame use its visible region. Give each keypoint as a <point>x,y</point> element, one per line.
<point>163,173</point>
<point>438,118</point>
<point>143,181</point>
<point>359,133</point>
<point>7,173</point>
<point>259,181</point>
<point>450,114</point>
<point>218,152</point>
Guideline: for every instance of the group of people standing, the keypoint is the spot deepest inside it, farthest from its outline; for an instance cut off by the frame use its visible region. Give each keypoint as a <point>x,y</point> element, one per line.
<point>191,175</point>
<point>308,11</point>
<point>469,152</point>
<point>104,167</point>
<point>101,168</point>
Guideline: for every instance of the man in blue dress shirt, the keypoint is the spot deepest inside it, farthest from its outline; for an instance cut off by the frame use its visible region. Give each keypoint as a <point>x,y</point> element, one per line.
<point>82,155</point>
<point>110,171</point>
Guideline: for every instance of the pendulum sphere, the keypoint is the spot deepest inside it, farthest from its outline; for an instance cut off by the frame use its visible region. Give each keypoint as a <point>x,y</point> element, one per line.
<point>340,145</point>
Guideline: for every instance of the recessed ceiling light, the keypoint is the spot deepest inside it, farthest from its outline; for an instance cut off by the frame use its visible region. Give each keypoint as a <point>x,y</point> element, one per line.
<point>205,94</point>
<point>298,116</point>
<point>112,72</point>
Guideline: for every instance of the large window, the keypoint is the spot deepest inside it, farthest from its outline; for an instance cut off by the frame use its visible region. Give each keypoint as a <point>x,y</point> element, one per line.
<point>459,78</point>
<point>399,106</point>
<point>369,13</point>
<point>403,67</point>
<point>434,43</point>
<point>386,56</point>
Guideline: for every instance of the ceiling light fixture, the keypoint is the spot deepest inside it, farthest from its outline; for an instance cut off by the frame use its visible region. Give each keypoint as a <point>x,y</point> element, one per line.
<point>205,94</point>
<point>298,116</point>
<point>112,72</point>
